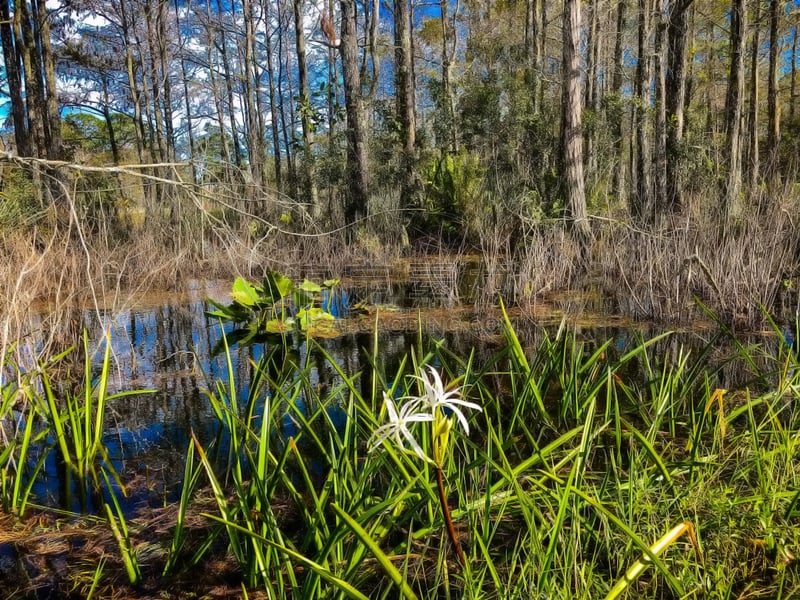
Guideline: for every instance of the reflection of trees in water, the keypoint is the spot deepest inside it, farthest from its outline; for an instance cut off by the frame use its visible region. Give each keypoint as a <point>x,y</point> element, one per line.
<point>170,349</point>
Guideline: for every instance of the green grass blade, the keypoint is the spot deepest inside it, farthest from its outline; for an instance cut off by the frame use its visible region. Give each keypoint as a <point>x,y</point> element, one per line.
<point>380,556</point>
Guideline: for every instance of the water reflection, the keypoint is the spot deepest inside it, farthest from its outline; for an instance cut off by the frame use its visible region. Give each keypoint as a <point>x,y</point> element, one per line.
<point>168,347</point>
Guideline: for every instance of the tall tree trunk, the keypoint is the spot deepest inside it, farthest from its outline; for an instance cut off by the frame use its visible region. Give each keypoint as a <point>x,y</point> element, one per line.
<point>112,135</point>
<point>133,90</point>
<point>356,207</point>
<point>255,150</point>
<point>571,134</point>
<point>274,106</point>
<point>405,101</point>
<point>448,53</point>
<point>219,111</point>
<point>676,101</point>
<point>642,207</point>
<point>773,108</point>
<point>155,80</point>
<point>753,160</point>
<point>618,184</point>
<point>309,177</point>
<point>660,154</point>
<point>54,146</point>
<point>12,62</point>
<point>287,124</point>
<point>34,88</point>
<point>592,95</point>
<point>533,50</point>
<point>187,105</point>
<point>164,61</point>
<point>372,17</point>
<point>733,112</point>
<point>222,48</point>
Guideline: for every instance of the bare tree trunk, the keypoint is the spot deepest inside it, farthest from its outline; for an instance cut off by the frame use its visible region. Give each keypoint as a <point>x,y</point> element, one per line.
<point>133,88</point>
<point>12,61</point>
<point>186,101</point>
<point>372,18</point>
<point>618,184</point>
<point>155,81</point>
<point>287,125</point>
<point>642,207</point>
<point>676,101</point>
<point>448,52</point>
<point>54,146</point>
<point>571,134</point>
<point>733,112</point>
<point>773,108</point>
<point>255,149</point>
<point>112,137</point>
<point>356,207</point>
<point>752,121</point>
<point>592,95</point>
<point>660,155</point>
<point>405,101</point>
<point>219,111</point>
<point>164,61</point>
<point>34,89</point>
<point>533,49</point>
<point>222,48</point>
<point>273,100</point>
<point>309,177</point>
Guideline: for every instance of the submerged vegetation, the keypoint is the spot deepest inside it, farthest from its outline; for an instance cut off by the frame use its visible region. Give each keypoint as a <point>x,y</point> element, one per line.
<point>564,470</point>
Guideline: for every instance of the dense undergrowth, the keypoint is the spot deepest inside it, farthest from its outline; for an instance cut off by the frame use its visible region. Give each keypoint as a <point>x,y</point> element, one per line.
<point>589,471</point>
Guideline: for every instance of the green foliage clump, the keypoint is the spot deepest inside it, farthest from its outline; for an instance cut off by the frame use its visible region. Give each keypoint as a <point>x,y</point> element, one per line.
<point>277,307</point>
<point>19,207</point>
<point>454,193</point>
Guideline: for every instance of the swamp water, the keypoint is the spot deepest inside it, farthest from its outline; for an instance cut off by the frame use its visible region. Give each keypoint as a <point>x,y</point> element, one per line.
<point>172,349</point>
<point>171,346</point>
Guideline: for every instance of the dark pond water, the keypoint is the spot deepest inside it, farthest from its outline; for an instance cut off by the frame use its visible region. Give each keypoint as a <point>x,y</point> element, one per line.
<point>166,344</point>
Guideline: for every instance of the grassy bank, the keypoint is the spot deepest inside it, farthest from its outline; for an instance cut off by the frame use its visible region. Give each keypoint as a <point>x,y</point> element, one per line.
<point>578,472</point>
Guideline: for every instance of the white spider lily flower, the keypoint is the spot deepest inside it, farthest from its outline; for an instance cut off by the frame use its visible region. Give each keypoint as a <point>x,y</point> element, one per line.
<point>397,427</point>
<point>435,397</point>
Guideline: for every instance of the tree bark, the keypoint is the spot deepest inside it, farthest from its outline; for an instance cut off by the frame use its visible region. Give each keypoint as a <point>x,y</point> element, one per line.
<point>660,154</point>
<point>733,112</point>
<point>405,101</point>
<point>642,205</point>
<point>274,105</point>
<point>308,177</point>
<point>592,95</point>
<point>356,207</point>
<point>773,108</point>
<point>250,78</point>
<point>448,99</point>
<point>222,48</point>
<point>34,88</point>
<point>55,150</point>
<point>618,183</point>
<point>12,61</point>
<point>678,26</point>
<point>533,49</point>
<point>186,101</point>
<point>571,134</point>
<point>752,120</point>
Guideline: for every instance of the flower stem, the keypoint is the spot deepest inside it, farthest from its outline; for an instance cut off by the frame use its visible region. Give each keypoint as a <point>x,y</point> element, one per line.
<point>448,519</point>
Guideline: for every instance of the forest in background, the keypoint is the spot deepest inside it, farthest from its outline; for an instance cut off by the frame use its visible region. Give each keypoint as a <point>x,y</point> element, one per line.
<point>657,140</point>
